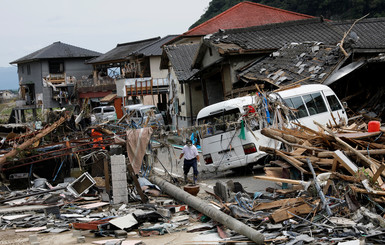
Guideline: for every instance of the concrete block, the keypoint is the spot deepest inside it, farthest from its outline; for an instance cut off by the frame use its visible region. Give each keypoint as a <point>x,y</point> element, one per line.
<point>81,239</point>
<point>119,176</point>
<point>50,225</point>
<point>120,233</point>
<point>76,233</point>
<point>33,238</point>
<point>120,199</point>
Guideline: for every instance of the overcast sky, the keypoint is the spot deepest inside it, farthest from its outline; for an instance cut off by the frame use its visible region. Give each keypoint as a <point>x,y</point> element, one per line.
<point>27,25</point>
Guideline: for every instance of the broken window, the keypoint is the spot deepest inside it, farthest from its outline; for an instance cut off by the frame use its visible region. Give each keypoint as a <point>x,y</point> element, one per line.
<point>333,102</point>
<point>56,67</point>
<point>297,104</point>
<point>315,103</point>
<point>219,122</point>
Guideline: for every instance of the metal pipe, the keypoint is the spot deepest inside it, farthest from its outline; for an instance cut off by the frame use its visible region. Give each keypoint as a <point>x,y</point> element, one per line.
<point>205,208</point>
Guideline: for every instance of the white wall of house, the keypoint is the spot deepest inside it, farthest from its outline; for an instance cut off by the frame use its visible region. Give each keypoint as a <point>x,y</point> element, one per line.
<point>211,56</point>
<point>154,68</point>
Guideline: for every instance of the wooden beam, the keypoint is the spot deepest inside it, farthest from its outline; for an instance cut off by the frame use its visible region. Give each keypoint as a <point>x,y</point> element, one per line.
<point>29,142</point>
<point>278,203</point>
<point>377,174</point>
<point>136,183</point>
<point>282,180</point>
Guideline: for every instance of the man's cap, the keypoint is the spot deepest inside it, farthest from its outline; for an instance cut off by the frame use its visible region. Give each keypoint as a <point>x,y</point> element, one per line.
<point>188,141</point>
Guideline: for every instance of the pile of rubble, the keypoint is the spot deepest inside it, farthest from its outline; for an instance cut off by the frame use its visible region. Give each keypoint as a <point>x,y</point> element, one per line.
<point>331,187</point>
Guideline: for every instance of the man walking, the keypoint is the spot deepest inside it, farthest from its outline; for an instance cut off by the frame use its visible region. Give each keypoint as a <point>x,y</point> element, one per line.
<point>191,157</point>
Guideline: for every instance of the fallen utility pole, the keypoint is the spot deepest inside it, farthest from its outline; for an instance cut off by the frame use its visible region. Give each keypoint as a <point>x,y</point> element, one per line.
<point>205,208</point>
<point>29,142</point>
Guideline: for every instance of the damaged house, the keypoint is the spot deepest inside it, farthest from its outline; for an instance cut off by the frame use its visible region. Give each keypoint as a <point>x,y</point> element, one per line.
<point>232,61</point>
<point>180,52</point>
<point>133,70</point>
<point>47,77</point>
<point>183,105</point>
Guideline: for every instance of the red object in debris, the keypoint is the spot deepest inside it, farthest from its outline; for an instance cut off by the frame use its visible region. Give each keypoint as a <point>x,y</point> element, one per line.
<point>92,225</point>
<point>374,126</point>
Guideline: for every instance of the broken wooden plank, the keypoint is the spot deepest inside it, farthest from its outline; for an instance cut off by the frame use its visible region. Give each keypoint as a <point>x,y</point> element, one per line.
<point>283,214</point>
<point>344,144</point>
<point>138,188</point>
<point>282,180</point>
<point>294,162</point>
<point>278,203</point>
<point>360,190</point>
<point>29,142</point>
<point>344,161</point>
<point>377,174</point>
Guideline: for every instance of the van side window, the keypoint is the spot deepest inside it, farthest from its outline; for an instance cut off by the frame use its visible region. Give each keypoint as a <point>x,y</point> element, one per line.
<point>297,103</point>
<point>315,103</point>
<point>333,102</point>
<point>109,109</point>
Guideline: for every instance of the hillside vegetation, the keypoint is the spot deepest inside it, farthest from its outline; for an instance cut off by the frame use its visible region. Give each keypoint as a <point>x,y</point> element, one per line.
<point>330,9</point>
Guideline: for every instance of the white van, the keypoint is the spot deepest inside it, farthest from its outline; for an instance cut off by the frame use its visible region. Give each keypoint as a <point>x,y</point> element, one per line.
<point>103,113</point>
<point>222,148</point>
<point>141,112</point>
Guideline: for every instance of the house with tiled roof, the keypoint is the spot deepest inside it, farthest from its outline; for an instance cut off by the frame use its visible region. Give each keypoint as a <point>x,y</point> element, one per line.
<point>133,70</point>
<point>222,54</point>
<point>47,77</point>
<point>108,67</point>
<point>244,14</point>
<point>345,55</point>
<point>185,98</point>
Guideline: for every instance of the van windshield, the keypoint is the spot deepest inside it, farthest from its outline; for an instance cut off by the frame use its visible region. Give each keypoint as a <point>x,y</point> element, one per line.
<point>219,122</point>
<point>97,110</point>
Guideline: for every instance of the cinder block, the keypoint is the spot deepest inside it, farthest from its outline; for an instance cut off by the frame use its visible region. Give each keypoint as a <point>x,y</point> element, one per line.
<point>81,239</point>
<point>76,233</point>
<point>50,225</point>
<point>119,176</point>
<point>33,238</point>
<point>119,184</point>
<point>120,234</point>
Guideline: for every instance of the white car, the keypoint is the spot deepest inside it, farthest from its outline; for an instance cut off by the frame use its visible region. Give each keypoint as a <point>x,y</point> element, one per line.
<point>140,114</point>
<point>104,113</point>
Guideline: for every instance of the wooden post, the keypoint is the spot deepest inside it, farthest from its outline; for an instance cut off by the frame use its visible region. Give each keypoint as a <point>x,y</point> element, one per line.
<point>136,183</point>
<point>107,176</point>
<point>377,174</point>
<point>29,142</point>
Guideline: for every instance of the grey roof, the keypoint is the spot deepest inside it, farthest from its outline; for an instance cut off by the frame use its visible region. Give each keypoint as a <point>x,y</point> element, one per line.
<point>58,50</point>
<point>275,36</point>
<point>309,62</point>
<point>155,48</point>
<point>181,57</point>
<point>370,32</point>
<point>122,51</point>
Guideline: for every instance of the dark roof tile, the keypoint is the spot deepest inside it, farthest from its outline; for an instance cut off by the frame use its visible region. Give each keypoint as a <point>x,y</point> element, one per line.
<point>122,51</point>
<point>58,50</point>
<point>181,57</point>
